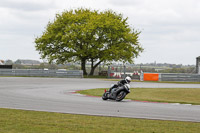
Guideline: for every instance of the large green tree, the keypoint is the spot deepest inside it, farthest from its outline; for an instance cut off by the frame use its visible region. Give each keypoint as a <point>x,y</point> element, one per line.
<point>92,36</point>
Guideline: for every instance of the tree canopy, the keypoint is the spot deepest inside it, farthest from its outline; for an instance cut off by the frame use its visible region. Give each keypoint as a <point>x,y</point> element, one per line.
<point>86,35</point>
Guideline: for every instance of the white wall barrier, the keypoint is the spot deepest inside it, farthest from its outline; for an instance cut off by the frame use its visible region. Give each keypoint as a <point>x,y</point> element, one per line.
<point>42,73</point>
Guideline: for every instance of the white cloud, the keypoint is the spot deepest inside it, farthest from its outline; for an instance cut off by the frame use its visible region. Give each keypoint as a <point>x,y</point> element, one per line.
<point>170,28</point>
<point>30,5</point>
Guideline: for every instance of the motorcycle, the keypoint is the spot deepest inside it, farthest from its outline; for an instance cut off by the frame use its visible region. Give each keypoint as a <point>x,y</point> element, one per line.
<point>118,93</point>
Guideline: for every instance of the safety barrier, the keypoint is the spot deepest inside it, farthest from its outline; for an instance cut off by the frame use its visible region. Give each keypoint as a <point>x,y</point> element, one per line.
<point>151,77</point>
<point>170,77</point>
<point>179,77</point>
<point>42,73</point>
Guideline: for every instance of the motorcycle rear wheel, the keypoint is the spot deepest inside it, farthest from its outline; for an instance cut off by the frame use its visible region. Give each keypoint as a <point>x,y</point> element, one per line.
<point>121,95</point>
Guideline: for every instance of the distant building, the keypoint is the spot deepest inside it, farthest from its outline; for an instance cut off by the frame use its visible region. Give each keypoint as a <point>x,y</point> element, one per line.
<point>4,66</point>
<point>27,62</point>
<point>198,65</point>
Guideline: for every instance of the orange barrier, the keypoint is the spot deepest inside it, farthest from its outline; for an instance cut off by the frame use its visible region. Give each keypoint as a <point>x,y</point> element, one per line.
<point>151,77</point>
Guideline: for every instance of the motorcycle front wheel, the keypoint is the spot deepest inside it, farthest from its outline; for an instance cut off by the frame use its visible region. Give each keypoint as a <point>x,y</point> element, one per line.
<point>105,96</point>
<point>120,96</point>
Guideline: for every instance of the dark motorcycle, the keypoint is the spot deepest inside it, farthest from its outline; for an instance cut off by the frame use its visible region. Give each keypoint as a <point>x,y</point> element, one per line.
<point>118,93</point>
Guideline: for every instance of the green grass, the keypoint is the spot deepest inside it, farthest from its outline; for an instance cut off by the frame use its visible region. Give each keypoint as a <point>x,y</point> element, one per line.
<point>170,95</point>
<point>175,82</point>
<point>19,121</point>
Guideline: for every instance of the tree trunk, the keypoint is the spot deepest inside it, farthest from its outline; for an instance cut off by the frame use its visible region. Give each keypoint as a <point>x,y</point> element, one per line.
<point>93,67</point>
<point>83,62</point>
<point>92,70</point>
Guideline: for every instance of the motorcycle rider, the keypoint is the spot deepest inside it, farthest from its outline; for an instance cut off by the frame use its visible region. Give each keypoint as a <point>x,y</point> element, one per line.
<point>127,80</point>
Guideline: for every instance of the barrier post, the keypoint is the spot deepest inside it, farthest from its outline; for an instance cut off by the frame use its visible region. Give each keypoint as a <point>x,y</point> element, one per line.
<point>124,71</point>
<point>141,76</point>
<point>108,71</point>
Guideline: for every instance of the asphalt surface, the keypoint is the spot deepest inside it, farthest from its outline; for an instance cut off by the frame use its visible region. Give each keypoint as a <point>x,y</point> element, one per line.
<point>57,95</point>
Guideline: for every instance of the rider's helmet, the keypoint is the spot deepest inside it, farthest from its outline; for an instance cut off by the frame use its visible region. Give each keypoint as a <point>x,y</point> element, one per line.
<point>128,79</point>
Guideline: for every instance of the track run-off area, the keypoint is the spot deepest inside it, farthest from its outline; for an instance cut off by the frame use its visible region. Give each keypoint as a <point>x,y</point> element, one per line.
<point>57,95</point>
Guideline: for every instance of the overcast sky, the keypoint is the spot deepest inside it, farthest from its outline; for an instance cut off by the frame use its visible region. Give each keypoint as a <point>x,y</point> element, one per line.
<point>170,28</point>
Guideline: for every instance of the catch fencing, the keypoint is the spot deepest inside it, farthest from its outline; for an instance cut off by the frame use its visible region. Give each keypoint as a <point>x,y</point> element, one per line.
<point>42,73</point>
<point>121,72</point>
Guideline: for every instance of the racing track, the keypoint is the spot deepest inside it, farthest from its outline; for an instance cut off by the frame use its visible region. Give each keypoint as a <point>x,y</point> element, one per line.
<point>56,95</point>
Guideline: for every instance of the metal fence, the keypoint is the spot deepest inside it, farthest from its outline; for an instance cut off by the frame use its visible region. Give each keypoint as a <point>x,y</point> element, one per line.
<point>121,72</point>
<point>179,77</point>
<point>42,73</point>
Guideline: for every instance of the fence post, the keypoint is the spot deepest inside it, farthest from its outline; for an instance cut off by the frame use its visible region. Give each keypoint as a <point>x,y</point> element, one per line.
<point>108,71</point>
<point>160,77</point>
<point>124,71</point>
<point>141,75</point>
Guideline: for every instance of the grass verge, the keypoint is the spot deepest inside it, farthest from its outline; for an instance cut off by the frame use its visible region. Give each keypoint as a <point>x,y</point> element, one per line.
<point>174,82</point>
<point>20,121</point>
<point>169,95</point>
